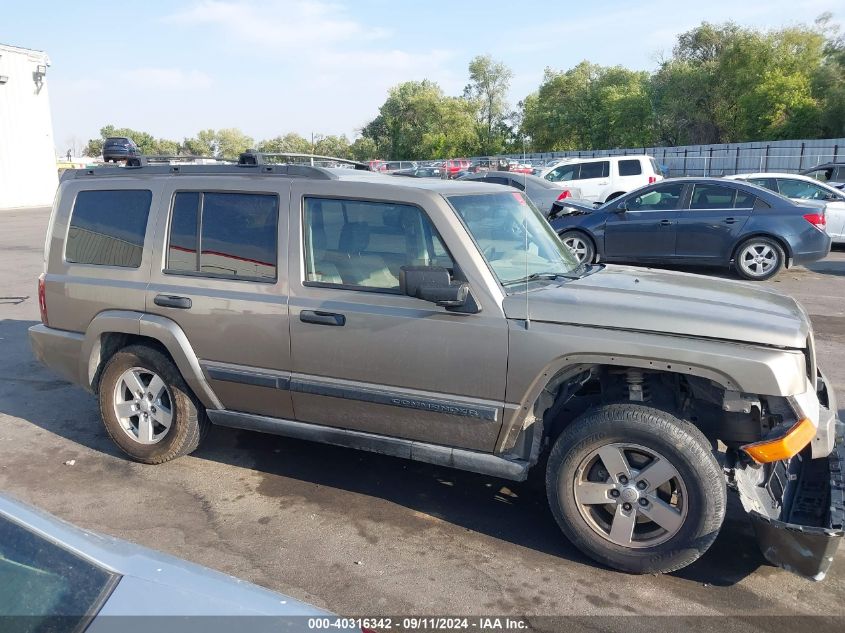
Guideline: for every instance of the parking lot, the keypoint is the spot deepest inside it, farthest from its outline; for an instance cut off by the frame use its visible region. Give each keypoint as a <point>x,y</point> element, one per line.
<point>359,533</point>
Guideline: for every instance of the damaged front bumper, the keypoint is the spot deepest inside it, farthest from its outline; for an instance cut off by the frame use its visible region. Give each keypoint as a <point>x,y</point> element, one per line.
<point>797,506</point>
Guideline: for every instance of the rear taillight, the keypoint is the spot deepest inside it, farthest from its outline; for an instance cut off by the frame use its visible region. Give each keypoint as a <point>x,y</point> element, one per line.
<point>42,299</point>
<point>817,220</point>
<point>652,180</point>
<point>564,194</point>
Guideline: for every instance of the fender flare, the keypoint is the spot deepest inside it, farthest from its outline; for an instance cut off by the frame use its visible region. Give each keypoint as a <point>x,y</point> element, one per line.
<point>158,328</point>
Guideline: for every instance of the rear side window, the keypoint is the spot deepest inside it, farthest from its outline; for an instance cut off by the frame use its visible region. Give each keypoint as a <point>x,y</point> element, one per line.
<point>744,200</point>
<point>630,167</point>
<point>600,169</point>
<point>712,197</point>
<point>225,235</point>
<point>107,227</point>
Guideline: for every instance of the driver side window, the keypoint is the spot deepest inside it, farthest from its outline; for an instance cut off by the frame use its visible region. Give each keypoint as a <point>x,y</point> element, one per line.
<point>662,198</point>
<point>564,172</point>
<point>357,243</point>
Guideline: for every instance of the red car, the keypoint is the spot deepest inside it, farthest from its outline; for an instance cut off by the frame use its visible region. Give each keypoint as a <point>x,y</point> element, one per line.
<point>453,166</point>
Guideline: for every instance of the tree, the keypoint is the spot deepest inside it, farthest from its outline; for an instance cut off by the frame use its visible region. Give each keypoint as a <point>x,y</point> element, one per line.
<point>589,107</point>
<point>418,121</point>
<point>231,142</point>
<point>488,86</point>
<point>203,144</point>
<point>363,149</point>
<point>291,142</point>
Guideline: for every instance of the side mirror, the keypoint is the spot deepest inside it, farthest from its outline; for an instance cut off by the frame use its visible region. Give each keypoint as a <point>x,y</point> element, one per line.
<point>433,283</point>
<point>622,207</point>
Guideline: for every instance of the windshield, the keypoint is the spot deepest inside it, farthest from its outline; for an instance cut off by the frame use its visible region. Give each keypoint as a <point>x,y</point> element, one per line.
<point>513,236</point>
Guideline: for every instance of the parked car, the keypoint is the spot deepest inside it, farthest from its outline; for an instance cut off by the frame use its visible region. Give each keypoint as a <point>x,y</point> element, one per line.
<point>703,221</point>
<point>57,577</point>
<point>831,173</point>
<point>800,187</point>
<point>119,148</point>
<point>396,165</point>
<point>420,172</point>
<point>446,322</point>
<point>603,179</point>
<point>453,166</point>
<point>541,192</point>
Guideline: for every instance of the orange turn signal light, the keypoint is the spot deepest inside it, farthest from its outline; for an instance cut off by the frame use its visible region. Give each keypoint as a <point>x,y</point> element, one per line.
<point>784,447</point>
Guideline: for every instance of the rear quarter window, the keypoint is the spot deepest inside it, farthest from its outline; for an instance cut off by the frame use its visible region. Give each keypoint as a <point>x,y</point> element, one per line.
<point>107,227</point>
<point>631,167</point>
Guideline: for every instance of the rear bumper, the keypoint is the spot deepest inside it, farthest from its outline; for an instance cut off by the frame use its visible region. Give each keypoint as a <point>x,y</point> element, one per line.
<point>797,506</point>
<point>57,349</point>
<point>811,249</point>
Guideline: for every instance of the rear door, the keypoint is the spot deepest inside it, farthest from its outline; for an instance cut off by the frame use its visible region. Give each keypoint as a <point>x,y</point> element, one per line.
<point>645,231</point>
<point>709,226</point>
<point>220,272</point>
<point>593,180</point>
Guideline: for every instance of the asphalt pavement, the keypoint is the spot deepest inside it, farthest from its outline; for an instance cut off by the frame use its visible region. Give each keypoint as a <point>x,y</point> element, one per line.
<point>359,533</point>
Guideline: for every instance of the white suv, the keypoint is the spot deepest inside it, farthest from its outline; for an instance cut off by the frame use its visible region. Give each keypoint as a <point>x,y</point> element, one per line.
<point>608,177</point>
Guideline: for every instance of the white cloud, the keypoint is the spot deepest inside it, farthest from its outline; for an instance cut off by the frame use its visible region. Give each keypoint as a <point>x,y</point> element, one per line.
<point>278,25</point>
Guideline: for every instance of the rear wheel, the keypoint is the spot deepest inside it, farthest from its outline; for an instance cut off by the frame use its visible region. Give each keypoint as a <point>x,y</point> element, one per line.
<point>579,245</point>
<point>636,488</point>
<point>759,258</point>
<point>147,408</point>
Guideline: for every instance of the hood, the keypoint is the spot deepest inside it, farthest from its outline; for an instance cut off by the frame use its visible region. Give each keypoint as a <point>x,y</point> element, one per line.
<point>667,302</point>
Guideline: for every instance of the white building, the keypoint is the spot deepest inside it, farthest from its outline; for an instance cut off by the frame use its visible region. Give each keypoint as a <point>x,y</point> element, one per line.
<point>28,175</point>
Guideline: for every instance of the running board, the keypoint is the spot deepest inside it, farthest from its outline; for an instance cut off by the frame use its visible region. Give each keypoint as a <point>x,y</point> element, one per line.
<point>484,463</point>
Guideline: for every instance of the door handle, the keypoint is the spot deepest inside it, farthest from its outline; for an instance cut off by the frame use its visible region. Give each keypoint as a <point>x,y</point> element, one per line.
<point>730,220</point>
<point>665,222</point>
<point>171,301</point>
<point>322,318</point>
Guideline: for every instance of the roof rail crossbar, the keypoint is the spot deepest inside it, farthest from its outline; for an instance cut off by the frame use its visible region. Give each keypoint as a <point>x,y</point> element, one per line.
<point>251,157</point>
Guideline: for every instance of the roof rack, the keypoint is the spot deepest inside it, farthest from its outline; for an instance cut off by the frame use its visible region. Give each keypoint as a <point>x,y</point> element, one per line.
<point>252,157</point>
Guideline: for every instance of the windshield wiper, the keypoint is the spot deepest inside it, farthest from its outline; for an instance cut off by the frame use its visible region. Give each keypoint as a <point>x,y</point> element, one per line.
<point>536,276</point>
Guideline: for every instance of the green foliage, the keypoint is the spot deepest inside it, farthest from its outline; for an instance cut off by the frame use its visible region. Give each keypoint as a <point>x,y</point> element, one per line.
<point>418,121</point>
<point>203,144</point>
<point>487,91</point>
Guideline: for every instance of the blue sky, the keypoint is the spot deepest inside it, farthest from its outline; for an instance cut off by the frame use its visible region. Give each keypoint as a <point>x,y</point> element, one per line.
<point>275,66</point>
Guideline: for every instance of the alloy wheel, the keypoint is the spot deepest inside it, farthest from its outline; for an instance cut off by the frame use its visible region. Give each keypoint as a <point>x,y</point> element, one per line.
<point>757,259</point>
<point>143,405</point>
<point>630,495</point>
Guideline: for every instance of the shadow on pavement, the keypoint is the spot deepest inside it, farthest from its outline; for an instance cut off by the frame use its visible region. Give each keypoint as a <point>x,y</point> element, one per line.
<point>513,512</point>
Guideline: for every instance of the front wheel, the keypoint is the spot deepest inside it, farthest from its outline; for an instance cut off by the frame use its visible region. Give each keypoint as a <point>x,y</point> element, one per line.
<point>579,245</point>
<point>636,488</point>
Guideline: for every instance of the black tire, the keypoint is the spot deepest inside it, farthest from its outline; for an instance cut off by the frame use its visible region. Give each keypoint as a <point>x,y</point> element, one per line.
<point>683,446</point>
<point>188,425</point>
<point>586,253</point>
<point>746,250</point>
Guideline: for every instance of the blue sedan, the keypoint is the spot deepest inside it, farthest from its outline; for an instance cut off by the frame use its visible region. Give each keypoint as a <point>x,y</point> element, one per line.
<point>699,221</point>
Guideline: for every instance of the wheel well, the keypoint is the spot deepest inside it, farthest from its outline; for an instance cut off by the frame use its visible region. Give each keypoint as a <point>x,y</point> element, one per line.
<point>113,342</point>
<point>699,400</point>
<point>774,238</point>
<point>614,195</point>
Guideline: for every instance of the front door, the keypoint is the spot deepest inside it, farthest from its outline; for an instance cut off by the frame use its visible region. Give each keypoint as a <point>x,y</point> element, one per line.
<point>365,356</point>
<point>710,225</point>
<point>217,273</point>
<point>642,227</point>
